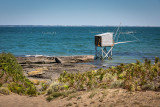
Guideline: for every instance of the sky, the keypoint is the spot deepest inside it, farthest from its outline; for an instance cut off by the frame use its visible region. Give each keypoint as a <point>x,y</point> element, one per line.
<point>80,12</point>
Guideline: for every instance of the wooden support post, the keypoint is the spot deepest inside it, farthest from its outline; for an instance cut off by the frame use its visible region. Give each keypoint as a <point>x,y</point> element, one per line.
<point>105,49</point>
<point>96,56</point>
<point>111,52</point>
<point>102,52</point>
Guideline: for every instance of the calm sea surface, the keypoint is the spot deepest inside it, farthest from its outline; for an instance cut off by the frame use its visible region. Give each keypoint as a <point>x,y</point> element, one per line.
<point>67,41</point>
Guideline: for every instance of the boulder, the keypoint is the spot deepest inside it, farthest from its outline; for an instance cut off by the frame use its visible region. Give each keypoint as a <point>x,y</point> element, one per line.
<point>85,58</point>
<point>58,60</point>
<point>35,73</point>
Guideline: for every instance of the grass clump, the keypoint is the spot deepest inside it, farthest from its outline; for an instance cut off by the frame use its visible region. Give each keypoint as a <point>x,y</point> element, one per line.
<point>62,94</point>
<point>4,90</point>
<point>92,95</point>
<point>57,89</point>
<point>11,72</point>
<point>69,104</point>
<point>55,95</point>
<point>72,96</point>
<point>44,86</point>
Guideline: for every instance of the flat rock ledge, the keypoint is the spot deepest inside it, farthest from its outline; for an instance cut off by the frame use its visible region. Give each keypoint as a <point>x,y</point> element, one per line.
<point>51,60</point>
<point>51,67</point>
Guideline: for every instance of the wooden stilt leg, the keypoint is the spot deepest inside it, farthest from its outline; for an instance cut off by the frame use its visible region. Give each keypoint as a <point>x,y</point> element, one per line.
<point>96,56</point>
<point>111,53</point>
<point>102,52</point>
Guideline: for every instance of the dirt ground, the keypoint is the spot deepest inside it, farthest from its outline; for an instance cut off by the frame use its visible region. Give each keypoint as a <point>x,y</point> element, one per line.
<point>93,98</point>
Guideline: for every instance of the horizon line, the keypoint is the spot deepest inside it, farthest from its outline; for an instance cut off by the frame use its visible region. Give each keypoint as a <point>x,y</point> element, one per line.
<point>82,25</point>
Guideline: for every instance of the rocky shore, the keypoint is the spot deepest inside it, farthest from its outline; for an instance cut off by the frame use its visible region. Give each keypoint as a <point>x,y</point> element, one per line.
<point>49,68</point>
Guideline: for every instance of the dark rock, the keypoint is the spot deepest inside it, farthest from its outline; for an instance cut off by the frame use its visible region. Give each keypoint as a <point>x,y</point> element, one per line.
<point>58,60</point>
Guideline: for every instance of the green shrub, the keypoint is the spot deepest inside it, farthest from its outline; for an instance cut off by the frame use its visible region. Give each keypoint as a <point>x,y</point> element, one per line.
<point>16,88</point>
<point>4,90</point>
<point>44,86</point>
<point>11,72</point>
<point>10,66</point>
<point>156,60</point>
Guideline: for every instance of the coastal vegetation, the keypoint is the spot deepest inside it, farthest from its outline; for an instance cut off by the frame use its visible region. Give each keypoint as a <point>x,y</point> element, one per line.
<point>12,77</point>
<point>133,77</point>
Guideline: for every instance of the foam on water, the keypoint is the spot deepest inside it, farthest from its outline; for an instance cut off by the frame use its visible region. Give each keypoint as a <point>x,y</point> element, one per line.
<point>36,55</point>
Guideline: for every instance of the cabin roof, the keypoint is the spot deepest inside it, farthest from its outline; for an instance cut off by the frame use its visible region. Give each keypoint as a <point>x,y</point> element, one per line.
<point>104,34</point>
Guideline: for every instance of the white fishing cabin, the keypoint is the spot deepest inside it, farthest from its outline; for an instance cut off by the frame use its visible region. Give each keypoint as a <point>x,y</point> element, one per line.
<point>104,40</point>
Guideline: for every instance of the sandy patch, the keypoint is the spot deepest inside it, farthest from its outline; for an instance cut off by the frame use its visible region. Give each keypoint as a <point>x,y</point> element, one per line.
<point>93,98</point>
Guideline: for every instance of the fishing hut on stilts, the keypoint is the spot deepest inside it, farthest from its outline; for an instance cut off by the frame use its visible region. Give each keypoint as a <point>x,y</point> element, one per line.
<point>105,42</point>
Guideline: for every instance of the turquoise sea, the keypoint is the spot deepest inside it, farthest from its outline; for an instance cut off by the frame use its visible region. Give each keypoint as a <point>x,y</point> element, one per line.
<point>66,41</point>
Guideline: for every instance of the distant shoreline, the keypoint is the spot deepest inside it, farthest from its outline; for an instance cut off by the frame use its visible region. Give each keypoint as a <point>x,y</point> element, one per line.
<point>74,26</point>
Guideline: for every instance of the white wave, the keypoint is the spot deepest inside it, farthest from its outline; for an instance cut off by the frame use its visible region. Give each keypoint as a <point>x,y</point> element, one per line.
<point>129,32</point>
<point>48,32</point>
<point>37,55</point>
<point>96,32</point>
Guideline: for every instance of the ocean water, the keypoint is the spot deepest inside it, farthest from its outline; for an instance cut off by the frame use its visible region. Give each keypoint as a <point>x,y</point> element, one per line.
<point>67,41</point>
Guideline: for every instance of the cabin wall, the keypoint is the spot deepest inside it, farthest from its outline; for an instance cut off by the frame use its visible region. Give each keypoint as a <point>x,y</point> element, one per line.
<point>104,40</point>
<point>107,40</point>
